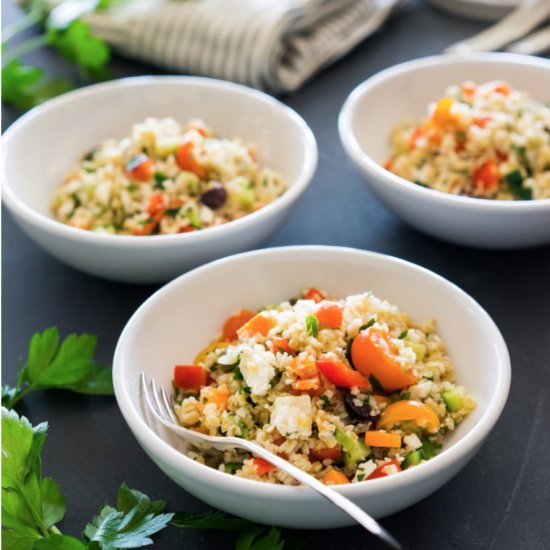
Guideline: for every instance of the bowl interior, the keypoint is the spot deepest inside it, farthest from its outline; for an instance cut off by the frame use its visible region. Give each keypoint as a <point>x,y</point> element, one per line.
<point>405,91</point>
<point>180,319</point>
<point>56,135</point>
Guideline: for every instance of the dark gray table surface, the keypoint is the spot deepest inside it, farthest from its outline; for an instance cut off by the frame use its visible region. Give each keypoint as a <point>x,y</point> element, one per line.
<point>499,500</point>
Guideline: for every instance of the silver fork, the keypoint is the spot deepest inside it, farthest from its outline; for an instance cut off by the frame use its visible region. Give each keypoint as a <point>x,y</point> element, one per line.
<point>162,408</point>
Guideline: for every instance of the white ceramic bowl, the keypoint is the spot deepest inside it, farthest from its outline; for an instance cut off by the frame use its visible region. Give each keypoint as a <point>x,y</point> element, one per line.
<point>42,145</point>
<point>383,101</point>
<point>166,330</point>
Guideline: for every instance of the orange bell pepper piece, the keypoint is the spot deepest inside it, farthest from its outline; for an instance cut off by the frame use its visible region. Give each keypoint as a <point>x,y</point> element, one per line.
<point>203,353</point>
<point>373,353</point>
<point>187,161</point>
<point>281,345</point>
<point>314,294</point>
<point>259,324</point>
<point>335,477</point>
<point>409,411</point>
<point>140,168</point>
<point>235,322</point>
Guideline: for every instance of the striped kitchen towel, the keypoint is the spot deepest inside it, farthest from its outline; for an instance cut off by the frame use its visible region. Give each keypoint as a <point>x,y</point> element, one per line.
<point>275,45</point>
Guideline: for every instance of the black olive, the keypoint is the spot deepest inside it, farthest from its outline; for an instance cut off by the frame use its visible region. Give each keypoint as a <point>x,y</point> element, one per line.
<point>215,197</point>
<point>90,154</point>
<point>363,411</point>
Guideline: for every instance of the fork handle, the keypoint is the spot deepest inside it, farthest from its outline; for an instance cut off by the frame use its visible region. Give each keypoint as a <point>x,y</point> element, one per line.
<point>326,491</point>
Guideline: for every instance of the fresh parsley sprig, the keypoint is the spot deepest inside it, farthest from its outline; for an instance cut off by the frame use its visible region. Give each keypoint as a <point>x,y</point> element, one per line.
<point>51,365</point>
<point>32,507</point>
<point>25,86</point>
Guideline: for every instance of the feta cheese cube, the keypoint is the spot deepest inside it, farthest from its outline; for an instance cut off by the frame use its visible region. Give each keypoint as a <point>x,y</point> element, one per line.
<point>292,416</point>
<point>257,369</point>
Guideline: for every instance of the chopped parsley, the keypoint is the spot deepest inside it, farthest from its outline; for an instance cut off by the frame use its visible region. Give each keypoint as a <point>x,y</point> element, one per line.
<point>403,334</point>
<point>160,178</point>
<point>326,400</point>
<point>312,325</point>
<point>514,179</point>
<point>368,325</point>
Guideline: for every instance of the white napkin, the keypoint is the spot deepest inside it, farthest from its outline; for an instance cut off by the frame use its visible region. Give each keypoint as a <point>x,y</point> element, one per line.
<point>269,44</point>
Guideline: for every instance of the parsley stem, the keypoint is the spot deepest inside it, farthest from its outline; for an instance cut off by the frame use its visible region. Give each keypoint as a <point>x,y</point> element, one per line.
<point>28,20</point>
<point>25,47</point>
<point>15,399</point>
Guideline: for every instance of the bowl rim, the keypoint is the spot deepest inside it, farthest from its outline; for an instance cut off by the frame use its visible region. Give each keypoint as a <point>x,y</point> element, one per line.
<point>460,451</point>
<point>399,184</point>
<point>51,225</point>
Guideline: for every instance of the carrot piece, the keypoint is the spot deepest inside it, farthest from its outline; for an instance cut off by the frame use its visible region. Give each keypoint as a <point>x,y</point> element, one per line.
<point>330,315</point>
<point>469,88</point>
<point>503,88</point>
<point>375,438</point>
<point>326,453</point>
<point>373,353</point>
<point>187,229</point>
<point>259,324</point>
<point>155,206</point>
<point>140,168</point>
<point>235,322</point>
<point>281,345</point>
<point>186,160</point>
<point>335,477</point>
<point>387,469</point>
<point>314,294</point>
<point>189,377</point>
<point>340,375</point>
<point>218,396</point>
<point>263,466</point>
<point>409,411</point>
<point>487,177</point>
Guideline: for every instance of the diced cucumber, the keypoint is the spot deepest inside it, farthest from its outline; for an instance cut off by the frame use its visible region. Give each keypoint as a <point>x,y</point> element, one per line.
<point>233,467</point>
<point>189,182</point>
<point>412,459</point>
<point>454,398</point>
<point>355,451</point>
<point>419,350</point>
<point>166,145</point>
<point>246,197</point>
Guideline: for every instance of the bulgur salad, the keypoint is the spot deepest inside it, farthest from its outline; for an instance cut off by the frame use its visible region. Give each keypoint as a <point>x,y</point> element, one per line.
<point>487,141</point>
<point>348,390</point>
<point>165,178</point>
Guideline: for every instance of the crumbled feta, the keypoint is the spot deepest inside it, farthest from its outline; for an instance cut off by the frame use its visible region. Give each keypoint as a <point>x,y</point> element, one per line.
<point>257,369</point>
<point>292,416</point>
<point>412,441</point>
<point>364,470</point>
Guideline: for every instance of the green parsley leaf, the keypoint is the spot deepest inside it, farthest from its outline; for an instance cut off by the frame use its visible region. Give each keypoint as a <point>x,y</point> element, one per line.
<point>59,542</point>
<point>160,178</point>
<point>69,366</point>
<point>403,334</point>
<point>312,325</point>
<point>254,538</point>
<point>514,179</point>
<point>368,325</point>
<point>131,526</point>
<point>237,374</point>
<point>325,399</point>
<point>428,449</point>
<point>233,467</point>
<point>360,477</point>
<point>214,520</point>
<point>77,44</point>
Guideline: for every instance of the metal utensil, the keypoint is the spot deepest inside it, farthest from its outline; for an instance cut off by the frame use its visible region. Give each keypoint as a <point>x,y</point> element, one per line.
<point>162,408</point>
<point>529,15</point>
